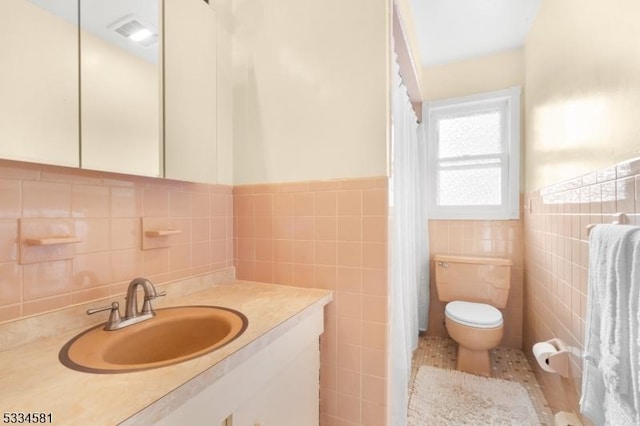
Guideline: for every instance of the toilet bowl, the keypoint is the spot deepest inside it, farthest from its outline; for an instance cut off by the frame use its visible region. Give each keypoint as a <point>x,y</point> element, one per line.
<point>477,328</point>
<point>474,287</point>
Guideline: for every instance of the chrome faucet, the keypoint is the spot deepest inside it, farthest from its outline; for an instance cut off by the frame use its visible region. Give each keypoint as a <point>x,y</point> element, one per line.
<point>131,309</point>
<point>131,313</point>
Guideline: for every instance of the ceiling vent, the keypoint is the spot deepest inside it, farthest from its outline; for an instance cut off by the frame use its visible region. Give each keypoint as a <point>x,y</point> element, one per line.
<point>136,30</point>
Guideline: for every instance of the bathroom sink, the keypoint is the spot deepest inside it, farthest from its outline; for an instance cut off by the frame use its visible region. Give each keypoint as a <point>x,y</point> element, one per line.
<point>174,335</point>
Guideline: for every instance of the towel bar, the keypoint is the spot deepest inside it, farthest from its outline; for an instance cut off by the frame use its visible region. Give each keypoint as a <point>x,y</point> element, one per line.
<point>618,219</point>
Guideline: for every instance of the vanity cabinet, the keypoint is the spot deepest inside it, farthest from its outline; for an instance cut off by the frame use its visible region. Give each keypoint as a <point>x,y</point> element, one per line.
<point>190,90</point>
<point>39,94</point>
<point>277,386</point>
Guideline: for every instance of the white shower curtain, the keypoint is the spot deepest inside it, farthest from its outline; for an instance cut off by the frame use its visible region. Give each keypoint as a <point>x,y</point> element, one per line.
<point>409,249</point>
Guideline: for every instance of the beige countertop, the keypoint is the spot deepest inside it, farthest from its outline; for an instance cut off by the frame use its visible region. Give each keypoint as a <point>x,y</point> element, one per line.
<point>33,380</point>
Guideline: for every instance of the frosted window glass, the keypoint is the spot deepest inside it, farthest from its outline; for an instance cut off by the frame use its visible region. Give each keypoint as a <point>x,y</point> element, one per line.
<point>470,187</point>
<point>473,134</point>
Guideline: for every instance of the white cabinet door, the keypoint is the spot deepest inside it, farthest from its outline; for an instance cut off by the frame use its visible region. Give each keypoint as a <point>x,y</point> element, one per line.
<point>190,91</point>
<point>120,82</point>
<point>39,81</point>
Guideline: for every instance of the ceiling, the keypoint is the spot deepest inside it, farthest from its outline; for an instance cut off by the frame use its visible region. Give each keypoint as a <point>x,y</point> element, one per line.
<point>455,30</point>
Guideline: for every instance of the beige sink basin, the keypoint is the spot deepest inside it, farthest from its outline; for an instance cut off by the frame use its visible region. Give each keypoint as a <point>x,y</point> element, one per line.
<point>174,335</point>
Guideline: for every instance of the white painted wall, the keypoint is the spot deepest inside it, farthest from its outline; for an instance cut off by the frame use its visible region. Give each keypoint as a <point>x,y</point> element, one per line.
<point>582,88</point>
<point>310,90</point>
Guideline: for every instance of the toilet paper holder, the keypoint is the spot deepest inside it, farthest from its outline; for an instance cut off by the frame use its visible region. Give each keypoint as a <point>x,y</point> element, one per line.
<point>559,361</point>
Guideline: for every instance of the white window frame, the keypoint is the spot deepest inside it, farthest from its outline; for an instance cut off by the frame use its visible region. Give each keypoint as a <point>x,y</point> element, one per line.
<point>509,102</point>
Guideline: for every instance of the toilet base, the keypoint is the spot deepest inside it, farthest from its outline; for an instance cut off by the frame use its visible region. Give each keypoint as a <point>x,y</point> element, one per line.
<point>474,362</point>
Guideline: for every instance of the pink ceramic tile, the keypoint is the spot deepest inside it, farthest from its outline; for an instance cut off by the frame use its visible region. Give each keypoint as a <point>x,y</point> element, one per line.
<point>304,275</point>
<point>326,228</point>
<point>349,203</point>
<point>349,409</point>
<point>90,201</point>
<point>325,203</point>
<point>10,199</point>
<point>46,279</point>
<point>264,250</point>
<point>218,227</point>
<point>125,202</point>
<point>375,309</point>
<point>283,273</point>
<point>46,199</point>
<point>245,226</point>
<point>125,233</point>
<point>264,271</point>
<point>349,331</point>
<point>374,255</point>
<point>374,362</point>
<point>201,253</point>
<point>19,170</point>
<point>242,189</point>
<point>283,251</point>
<point>126,265</point>
<point>350,228</point>
<point>46,305</point>
<point>200,204</point>
<point>374,389</point>
<point>283,204</point>
<point>350,357</point>
<point>179,204</point>
<point>91,270</point>
<point>303,204</point>
<point>303,252</point>
<point>349,253</point>
<point>200,229</point>
<point>373,414</point>
<point>90,294</point>
<point>10,283</point>
<point>246,249</point>
<point>10,312</point>
<point>625,195</point>
<point>374,335</point>
<point>374,229</point>
<point>375,202</point>
<point>349,305</point>
<point>348,383</point>
<point>350,280</point>
<point>245,270</point>
<point>218,251</point>
<point>293,187</point>
<point>155,261</point>
<point>263,205</point>
<point>8,240</point>
<point>303,228</point>
<point>218,204</point>
<point>179,257</point>
<point>326,277</point>
<point>94,234</point>
<point>365,183</point>
<point>325,185</point>
<point>264,226</point>
<point>155,202</point>
<point>326,252</point>
<point>243,205</point>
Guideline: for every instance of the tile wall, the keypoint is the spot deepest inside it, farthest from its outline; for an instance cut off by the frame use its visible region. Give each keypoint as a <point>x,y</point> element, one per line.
<point>497,238</point>
<point>557,254</point>
<point>333,235</point>
<point>104,210</point>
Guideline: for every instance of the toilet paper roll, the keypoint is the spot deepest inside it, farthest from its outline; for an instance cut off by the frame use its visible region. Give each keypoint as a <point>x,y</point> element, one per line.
<point>541,352</point>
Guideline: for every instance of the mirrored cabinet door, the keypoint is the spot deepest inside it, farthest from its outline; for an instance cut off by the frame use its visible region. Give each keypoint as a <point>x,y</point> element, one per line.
<point>190,90</point>
<point>120,86</point>
<point>39,81</point>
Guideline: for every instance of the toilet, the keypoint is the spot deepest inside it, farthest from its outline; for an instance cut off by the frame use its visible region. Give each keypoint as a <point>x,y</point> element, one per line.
<point>474,287</point>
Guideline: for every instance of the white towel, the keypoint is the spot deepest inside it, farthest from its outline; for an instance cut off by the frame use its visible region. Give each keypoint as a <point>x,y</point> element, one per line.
<point>611,374</point>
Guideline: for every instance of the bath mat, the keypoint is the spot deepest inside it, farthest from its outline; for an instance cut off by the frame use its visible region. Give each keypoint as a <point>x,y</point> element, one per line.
<point>450,397</point>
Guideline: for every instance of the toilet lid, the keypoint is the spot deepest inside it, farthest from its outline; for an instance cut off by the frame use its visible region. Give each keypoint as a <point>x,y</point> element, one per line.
<point>472,314</point>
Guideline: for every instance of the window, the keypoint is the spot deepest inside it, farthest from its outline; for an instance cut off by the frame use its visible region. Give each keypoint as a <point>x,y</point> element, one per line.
<point>474,156</point>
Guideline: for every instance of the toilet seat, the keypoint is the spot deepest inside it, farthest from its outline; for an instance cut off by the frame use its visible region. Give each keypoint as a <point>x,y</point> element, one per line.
<point>478,315</point>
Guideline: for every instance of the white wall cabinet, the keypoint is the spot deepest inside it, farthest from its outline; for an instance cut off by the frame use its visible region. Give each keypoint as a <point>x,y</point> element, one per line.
<point>190,91</point>
<point>39,83</point>
<point>277,386</point>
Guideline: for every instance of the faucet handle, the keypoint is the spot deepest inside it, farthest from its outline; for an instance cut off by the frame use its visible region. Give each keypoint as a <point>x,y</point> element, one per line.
<point>146,306</point>
<point>114,317</point>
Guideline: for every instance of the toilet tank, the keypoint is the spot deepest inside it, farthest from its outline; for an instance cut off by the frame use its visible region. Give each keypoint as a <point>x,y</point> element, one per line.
<point>473,279</point>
